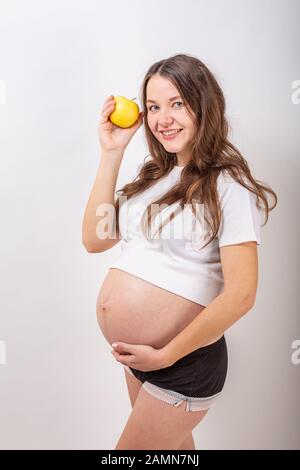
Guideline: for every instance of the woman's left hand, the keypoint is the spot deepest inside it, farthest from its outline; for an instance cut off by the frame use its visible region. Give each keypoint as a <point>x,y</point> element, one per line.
<point>138,356</point>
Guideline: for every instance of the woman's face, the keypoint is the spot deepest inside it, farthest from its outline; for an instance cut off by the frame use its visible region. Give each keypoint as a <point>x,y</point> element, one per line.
<point>165,113</point>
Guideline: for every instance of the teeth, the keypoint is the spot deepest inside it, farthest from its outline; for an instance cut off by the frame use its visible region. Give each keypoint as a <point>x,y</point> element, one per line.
<point>171,132</point>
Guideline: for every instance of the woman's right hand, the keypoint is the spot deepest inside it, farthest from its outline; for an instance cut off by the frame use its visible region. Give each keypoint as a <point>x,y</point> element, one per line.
<point>113,138</point>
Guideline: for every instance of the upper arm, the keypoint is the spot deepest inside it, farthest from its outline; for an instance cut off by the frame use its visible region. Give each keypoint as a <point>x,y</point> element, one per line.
<point>103,246</point>
<point>240,271</point>
<point>107,234</point>
<point>240,217</point>
<point>99,245</point>
<point>239,236</point>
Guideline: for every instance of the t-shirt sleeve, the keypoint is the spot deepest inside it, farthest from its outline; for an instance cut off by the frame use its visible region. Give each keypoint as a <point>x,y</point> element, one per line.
<point>240,218</point>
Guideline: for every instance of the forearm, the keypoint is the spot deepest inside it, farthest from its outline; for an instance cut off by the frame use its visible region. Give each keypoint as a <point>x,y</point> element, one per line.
<point>213,321</point>
<point>103,192</point>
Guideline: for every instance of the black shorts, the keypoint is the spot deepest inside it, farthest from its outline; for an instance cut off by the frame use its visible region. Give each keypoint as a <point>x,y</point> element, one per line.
<point>198,377</point>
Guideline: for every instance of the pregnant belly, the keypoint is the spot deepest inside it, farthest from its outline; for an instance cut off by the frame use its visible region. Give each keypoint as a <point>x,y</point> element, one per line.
<point>135,311</point>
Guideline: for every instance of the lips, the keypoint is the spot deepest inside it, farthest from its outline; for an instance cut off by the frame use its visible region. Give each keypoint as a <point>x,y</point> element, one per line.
<point>171,136</point>
<point>169,130</point>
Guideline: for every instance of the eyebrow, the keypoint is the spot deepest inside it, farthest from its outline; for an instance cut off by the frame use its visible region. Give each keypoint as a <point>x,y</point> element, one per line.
<point>171,99</point>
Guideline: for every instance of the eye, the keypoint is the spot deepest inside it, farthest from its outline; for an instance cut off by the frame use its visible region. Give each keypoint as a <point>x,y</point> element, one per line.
<point>180,102</point>
<point>151,107</point>
<point>176,102</point>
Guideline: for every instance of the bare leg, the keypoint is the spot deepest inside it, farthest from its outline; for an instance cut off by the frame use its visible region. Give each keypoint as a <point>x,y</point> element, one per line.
<point>134,386</point>
<point>154,424</point>
<point>188,443</point>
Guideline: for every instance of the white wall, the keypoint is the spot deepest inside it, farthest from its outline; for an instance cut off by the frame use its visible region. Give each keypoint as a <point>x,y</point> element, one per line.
<point>60,388</point>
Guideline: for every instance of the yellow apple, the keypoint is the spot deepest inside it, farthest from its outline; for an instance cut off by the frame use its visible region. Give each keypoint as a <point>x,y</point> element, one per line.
<point>126,112</point>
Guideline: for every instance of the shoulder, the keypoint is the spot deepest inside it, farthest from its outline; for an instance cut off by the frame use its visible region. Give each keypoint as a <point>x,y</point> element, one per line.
<point>225,180</point>
<point>240,215</point>
<point>229,188</point>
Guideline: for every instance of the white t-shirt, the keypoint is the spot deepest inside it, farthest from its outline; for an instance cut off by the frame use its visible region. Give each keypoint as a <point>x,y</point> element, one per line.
<point>177,262</point>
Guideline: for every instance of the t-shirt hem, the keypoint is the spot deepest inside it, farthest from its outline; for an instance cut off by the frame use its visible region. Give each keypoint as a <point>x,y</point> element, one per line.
<point>241,238</point>
<point>180,284</point>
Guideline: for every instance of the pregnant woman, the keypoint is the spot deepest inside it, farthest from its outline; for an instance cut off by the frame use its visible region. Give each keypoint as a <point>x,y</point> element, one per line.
<point>189,225</point>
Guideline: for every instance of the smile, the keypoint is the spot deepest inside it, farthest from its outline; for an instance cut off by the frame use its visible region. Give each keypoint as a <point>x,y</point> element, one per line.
<point>171,134</point>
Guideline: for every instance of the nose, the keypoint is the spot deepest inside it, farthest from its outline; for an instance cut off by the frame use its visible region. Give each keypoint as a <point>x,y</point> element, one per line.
<point>165,119</point>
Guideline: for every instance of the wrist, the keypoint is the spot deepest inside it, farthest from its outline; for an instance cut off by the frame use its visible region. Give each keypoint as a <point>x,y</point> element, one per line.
<point>110,161</point>
<point>111,154</point>
<point>166,357</point>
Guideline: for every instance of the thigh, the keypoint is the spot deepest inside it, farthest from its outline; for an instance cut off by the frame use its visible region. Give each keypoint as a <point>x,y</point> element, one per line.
<point>155,424</point>
<point>133,386</point>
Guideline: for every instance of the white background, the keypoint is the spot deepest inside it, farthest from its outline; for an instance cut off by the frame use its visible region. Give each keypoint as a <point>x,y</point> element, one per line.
<point>60,387</point>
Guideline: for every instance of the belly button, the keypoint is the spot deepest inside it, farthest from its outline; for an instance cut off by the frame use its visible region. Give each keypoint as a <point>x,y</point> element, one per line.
<point>104,307</point>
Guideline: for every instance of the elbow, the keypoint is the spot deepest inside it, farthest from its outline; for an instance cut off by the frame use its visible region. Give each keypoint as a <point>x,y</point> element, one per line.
<point>248,304</point>
<point>249,300</point>
<point>240,303</point>
<point>89,243</point>
<point>89,247</point>
<point>89,250</point>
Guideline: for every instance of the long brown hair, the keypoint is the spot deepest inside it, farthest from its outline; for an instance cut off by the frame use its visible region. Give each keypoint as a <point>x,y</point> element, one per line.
<point>212,152</point>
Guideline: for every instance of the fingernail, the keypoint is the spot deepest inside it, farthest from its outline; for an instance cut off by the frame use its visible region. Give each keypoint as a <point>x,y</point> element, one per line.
<point>114,345</point>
